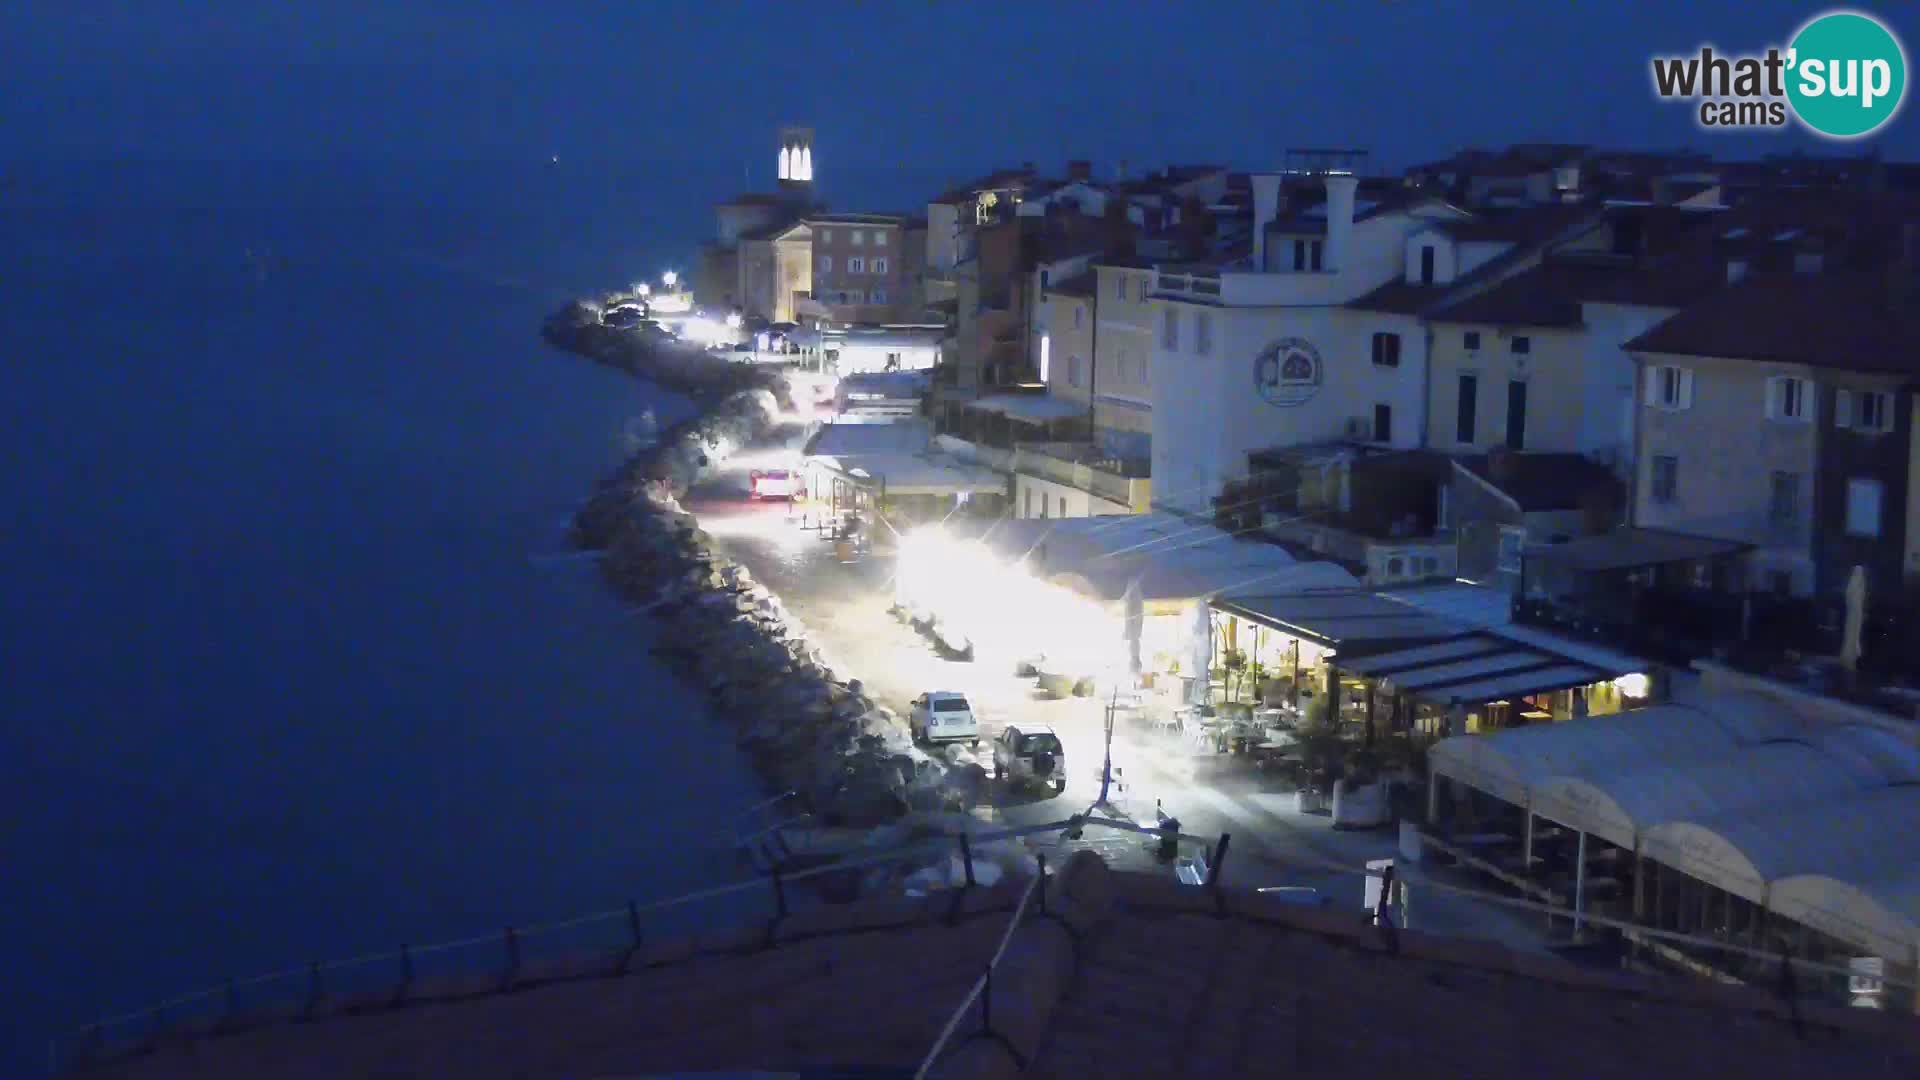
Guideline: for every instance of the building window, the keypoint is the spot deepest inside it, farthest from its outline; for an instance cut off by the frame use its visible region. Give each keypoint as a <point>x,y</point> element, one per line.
<point>1522,345</point>
<point>826,235</point>
<point>1383,423</point>
<point>1665,478</point>
<point>1512,542</point>
<point>1863,507</point>
<point>1669,387</point>
<point>877,296</point>
<point>856,265</point>
<point>1783,503</point>
<point>1063,506</point>
<point>879,238</point>
<point>1313,255</point>
<point>1076,370</point>
<point>1789,398</point>
<point>856,296</point>
<point>1079,316</point>
<point>1120,286</point>
<point>1043,504</point>
<point>1140,289</point>
<point>859,237</point>
<point>1046,355</point>
<point>879,266</point>
<point>1170,330</point>
<point>826,264</point>
<point>1472,338</point>
<point>1029,504</point>
<point>1465,408</point>
<point>1426,264</point>
<point>1203,332</point>
<point>1386,350</point>
<point>1863,410</point>
<point>1299,254</point>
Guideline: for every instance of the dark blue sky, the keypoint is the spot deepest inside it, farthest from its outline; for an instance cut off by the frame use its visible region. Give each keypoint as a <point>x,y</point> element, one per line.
<point>937,86</point>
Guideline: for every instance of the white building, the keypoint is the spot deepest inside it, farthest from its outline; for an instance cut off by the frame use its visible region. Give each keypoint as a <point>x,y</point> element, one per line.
<point>1261,352</point>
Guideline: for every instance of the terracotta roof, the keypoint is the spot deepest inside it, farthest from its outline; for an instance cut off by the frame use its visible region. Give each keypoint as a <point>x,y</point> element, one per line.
<point>1550,295</point>
<point>1401,298</point>
<point>1839,320</point>
<point>1081,285</point>
<point>1543,481</point>
<point>1123,975</point>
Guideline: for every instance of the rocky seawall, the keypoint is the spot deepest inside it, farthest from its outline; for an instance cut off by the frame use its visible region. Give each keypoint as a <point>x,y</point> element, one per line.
<point>804,727</point>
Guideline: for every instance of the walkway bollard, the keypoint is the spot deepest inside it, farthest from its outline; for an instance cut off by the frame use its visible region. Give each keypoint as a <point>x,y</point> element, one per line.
<point>513,960</point>
<point>313,990</point>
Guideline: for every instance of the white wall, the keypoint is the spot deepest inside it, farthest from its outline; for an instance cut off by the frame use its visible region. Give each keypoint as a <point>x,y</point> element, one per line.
<point>1607,425</point>
<point>1029,490</point>
<point>1209,412</point>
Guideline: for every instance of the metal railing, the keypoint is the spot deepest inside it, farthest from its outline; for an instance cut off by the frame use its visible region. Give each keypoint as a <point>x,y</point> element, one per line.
<point>394,979</point>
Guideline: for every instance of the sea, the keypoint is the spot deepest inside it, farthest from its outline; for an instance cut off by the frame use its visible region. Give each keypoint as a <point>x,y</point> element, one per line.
<point>297,665</point>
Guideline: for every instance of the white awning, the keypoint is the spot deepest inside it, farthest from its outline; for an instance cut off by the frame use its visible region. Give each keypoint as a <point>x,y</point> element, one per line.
<point>1508,764</point>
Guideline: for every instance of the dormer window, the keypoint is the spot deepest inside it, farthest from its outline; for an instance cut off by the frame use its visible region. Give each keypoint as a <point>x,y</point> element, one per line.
<point>1426,264</point>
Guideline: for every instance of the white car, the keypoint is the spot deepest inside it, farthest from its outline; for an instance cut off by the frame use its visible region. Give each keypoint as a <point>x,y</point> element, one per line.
<point>944,716</point>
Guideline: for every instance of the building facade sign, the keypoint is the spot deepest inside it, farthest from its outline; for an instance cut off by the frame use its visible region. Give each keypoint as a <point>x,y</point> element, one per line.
<point>1288,372</point>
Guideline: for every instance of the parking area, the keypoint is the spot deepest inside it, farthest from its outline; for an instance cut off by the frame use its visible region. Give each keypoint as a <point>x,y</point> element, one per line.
<point>846,608</point>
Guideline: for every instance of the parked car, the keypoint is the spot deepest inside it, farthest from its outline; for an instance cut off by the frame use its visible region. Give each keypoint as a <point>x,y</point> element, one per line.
<point>1030,756</point>
<point>770,484</point>
<point>944,716</point>
<point>625,317</point>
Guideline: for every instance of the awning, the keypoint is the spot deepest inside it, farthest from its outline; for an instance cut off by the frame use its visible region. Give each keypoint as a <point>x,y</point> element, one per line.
<point>1032,408</point>
<point>1477,667</point>
<point>1353,621</point>
<point>919,474</point>
<point>1630,548</point>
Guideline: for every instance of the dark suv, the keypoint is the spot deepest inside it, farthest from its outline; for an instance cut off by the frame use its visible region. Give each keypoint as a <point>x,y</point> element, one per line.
<point>1032,756</point>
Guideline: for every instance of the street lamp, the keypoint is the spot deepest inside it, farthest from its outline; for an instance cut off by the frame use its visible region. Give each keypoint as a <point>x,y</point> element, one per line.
<point>645,289</point>
<point>669,278</point>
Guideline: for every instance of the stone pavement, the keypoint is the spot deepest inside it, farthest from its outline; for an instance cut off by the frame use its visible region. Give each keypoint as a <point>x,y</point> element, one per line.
<point>845,607</point>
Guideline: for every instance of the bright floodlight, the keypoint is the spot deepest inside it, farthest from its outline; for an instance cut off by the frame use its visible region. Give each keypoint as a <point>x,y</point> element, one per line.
<point>669,278</point>
<point>646,289</point>
<point>733,320</point>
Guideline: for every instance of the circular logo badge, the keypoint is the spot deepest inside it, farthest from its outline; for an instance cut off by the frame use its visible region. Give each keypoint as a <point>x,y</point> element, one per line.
<point>1847,75</point>
<point>1287,373</point>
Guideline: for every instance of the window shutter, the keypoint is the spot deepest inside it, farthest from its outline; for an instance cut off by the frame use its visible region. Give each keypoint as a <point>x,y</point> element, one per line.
<point>1686,388</point>
<point>1651,391</point>
<point>1843,408</point>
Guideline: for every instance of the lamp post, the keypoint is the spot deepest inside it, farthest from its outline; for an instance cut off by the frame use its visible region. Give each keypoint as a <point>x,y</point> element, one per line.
<point>669,278</point>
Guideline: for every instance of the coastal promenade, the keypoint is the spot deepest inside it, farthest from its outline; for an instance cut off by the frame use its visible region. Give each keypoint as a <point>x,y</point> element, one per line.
<point>846,606</point>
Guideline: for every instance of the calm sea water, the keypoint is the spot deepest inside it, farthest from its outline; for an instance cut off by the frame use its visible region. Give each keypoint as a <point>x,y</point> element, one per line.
<point>289,673</point>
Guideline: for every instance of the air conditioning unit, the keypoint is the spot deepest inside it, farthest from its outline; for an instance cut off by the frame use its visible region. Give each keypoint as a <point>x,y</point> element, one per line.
<point>1359,428</point>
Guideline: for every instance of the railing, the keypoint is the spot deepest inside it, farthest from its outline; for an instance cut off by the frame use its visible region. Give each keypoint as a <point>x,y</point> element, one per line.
<point>981,992</point>
<point>1187,283</point>
<point>1078,466</point>
<point>393,979</point>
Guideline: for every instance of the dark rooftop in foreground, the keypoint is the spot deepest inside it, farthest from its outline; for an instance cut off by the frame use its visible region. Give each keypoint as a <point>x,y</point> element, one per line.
<point>1845,321</point>
<point>1128,976</point>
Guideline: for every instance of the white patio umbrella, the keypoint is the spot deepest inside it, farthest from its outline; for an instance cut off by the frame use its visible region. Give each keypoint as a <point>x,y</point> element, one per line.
<point>1136,617</point>
<point>1856,617</point>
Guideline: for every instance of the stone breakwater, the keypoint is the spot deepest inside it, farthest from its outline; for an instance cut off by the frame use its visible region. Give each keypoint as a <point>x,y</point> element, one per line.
<point>804,727</point>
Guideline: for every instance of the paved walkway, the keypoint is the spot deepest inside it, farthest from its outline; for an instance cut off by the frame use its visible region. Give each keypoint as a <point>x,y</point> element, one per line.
<point>846,608</point>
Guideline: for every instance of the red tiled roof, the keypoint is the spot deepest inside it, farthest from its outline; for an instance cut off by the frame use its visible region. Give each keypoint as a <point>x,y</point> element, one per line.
<point>1844,321</point>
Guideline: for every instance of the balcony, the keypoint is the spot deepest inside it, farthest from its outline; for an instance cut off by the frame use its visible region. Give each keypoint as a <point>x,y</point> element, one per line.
<point>1083,467</point>
<point>1177,285</point>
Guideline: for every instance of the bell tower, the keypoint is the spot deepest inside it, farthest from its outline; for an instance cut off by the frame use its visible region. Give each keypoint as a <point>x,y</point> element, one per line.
<point>796,157</point>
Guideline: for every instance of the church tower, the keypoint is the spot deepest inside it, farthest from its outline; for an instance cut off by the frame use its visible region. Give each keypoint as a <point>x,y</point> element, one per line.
<point>796,159</point>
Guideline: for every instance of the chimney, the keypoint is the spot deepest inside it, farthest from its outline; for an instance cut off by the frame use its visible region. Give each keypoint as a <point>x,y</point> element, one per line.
<point>1340,192</point>
<point>1736,271</point>
<point>1079,170</point>
<point>1266,207</point>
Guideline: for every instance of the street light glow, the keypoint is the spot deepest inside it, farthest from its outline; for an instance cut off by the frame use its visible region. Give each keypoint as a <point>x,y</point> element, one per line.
<point>733,320</point>
<point>646,289</point>
<point>669,278</point>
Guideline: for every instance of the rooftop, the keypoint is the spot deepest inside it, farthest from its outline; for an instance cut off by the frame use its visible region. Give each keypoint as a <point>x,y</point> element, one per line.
<point>1551,294</point>
<point>1124,975</point>
<point>1843,321</point>
<point>1543,481</point>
